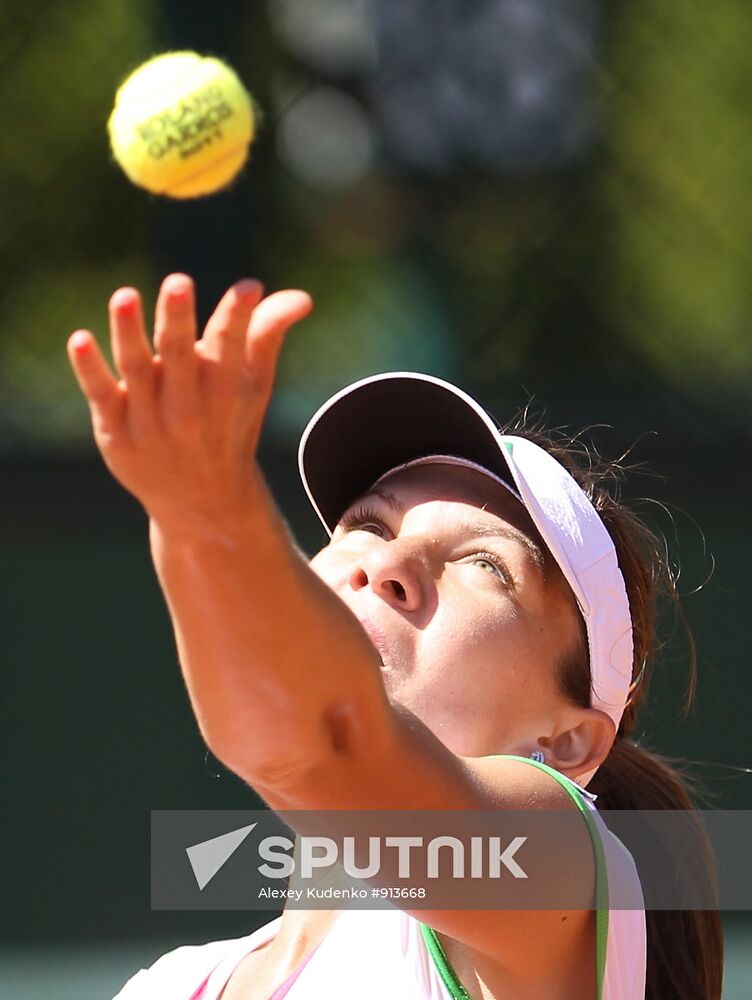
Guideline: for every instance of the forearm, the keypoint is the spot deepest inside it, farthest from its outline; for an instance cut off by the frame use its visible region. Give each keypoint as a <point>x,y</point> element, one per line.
<point>279,672</point>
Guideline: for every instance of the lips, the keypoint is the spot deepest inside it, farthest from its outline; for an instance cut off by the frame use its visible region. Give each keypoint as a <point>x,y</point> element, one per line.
<point>378,639</point>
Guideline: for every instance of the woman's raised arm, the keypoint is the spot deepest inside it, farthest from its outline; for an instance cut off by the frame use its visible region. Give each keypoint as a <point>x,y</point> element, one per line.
<point>258,635</point>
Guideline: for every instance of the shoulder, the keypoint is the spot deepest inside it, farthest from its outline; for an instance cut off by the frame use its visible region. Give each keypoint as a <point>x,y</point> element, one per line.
<point>179,973</point>
<point>523,783</point>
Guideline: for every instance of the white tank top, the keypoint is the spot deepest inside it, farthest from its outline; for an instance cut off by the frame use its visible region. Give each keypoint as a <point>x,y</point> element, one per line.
<point>387,953</point>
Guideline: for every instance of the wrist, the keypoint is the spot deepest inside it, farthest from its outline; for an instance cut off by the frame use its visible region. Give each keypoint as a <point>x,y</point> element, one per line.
<point>227,518</point>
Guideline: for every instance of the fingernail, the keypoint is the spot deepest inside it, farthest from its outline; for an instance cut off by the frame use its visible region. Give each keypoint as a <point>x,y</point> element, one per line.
<point>124,301</point>
<point>80,341</point>
<point>179,294</point>
<point>248,290</point>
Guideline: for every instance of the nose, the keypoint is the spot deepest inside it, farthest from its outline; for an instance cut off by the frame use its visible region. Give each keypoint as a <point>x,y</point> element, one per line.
<point>395,571</point>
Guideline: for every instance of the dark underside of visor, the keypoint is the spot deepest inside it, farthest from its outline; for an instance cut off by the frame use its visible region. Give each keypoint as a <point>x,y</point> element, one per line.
<point>383,424</point>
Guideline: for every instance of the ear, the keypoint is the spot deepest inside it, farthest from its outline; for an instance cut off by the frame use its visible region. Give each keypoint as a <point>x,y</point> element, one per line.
<point>583,746</point>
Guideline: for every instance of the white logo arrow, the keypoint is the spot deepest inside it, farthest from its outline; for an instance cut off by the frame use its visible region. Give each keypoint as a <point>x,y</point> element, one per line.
<point>208,857</point>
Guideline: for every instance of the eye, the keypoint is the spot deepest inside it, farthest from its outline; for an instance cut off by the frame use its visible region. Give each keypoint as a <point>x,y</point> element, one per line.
<point>362,518</point>
<point>492,564</point>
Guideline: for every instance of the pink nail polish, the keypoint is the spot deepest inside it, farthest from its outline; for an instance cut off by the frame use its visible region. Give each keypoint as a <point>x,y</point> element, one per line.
<point>124,303</point>
<point>80,342</point>
<point>179,295</point>
<point>249,291</point>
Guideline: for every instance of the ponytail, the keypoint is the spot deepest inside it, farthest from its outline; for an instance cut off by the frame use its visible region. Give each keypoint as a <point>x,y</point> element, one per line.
<point>685,947</point>
<point>634,778</point>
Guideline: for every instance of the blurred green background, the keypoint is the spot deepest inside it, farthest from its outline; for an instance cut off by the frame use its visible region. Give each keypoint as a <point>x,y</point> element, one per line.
<point>543,200</point>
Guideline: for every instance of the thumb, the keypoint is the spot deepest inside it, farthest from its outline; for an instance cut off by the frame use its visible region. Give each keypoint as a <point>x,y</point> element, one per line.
<point>271,320</point>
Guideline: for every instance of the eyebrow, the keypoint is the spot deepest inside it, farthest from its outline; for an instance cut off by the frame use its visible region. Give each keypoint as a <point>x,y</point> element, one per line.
<point>507,531</point>
<point>476,529</point>
<point>389,499</point>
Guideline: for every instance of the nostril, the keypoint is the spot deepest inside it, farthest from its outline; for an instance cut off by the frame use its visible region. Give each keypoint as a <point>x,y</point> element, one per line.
<point>398,589</point>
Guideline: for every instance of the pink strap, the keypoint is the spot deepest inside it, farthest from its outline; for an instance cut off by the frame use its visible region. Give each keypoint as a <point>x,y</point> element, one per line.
<point>281,991</point>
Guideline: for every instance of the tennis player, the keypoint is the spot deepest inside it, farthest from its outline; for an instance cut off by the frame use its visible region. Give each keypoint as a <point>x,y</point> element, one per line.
<point>476,634</point>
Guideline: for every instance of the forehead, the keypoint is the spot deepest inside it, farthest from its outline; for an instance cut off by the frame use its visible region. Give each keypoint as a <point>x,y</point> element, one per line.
<point>458,484</point>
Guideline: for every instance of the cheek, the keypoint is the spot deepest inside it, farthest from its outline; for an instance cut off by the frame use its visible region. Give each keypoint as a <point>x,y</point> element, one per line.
<point>477,639</point>
<point>323,565</point>
<point>500,655</point>
<point>332,565</point>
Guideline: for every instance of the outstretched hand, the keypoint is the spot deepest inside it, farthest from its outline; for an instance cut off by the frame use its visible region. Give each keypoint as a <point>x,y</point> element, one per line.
<point>179,428</point>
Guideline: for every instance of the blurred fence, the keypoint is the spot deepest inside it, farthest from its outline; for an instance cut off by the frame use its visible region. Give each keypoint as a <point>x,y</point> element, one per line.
<point>503,190</point>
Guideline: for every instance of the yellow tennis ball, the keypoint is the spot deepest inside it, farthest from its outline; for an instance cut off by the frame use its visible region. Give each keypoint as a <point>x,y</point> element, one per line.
<point>181,125</point>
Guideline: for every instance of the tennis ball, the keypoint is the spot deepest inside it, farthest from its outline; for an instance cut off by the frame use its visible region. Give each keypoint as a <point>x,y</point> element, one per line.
<point>181,125</point>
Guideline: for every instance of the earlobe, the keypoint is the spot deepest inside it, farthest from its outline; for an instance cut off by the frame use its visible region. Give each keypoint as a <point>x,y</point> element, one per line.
<point>583,747</point>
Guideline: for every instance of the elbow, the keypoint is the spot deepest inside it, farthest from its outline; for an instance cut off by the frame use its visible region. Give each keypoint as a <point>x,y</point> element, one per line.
<point>293,761</point>
<point>281,756</point>
<point>281,772</point>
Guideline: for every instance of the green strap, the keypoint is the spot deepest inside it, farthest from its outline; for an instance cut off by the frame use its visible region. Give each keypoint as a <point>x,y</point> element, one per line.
<point>442,963</point>
<point>437,953</point>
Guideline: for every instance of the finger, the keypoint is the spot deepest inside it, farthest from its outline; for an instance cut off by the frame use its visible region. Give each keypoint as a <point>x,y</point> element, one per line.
<point>133,358</point>
<point>271,320</point>
<point>97,383</point>
<point>175,341</point>
<point>224,338</point>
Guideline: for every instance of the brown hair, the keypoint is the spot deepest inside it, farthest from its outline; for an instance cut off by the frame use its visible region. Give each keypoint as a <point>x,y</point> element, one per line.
<point>685,947</point>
